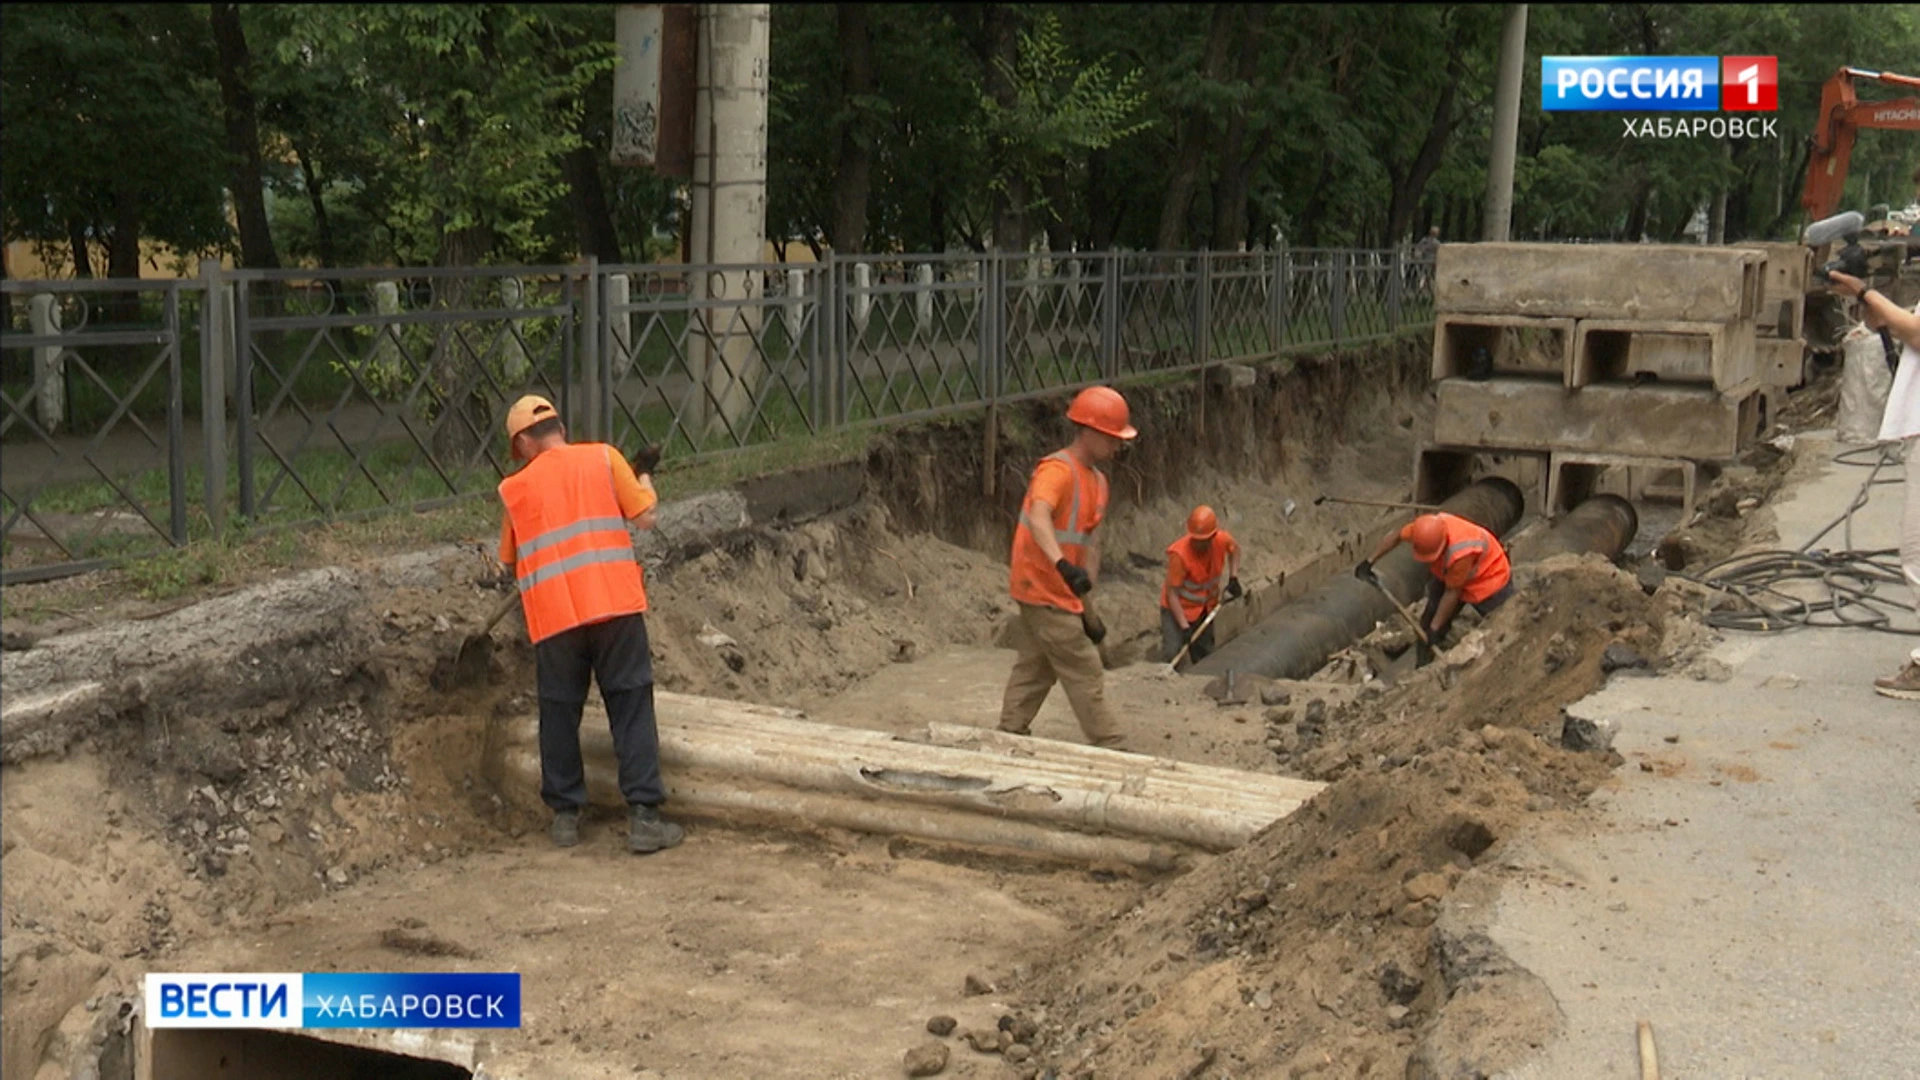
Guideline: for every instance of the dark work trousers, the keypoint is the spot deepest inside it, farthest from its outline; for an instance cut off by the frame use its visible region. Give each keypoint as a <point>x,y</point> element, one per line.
<point>615,654</point>
<point>1437,589</point>
<point>1172,638</point>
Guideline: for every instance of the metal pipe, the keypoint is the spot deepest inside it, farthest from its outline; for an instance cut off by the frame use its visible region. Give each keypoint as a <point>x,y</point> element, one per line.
<point>1604,524</point>
<point>1295,641</point>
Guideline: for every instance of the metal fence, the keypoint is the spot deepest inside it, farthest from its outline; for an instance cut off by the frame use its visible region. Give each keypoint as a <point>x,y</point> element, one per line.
<point>146,414</point>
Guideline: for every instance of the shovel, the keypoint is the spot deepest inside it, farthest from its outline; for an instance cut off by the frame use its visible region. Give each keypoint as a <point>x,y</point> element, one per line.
<point>470,664</point>
<point>1425,647</point>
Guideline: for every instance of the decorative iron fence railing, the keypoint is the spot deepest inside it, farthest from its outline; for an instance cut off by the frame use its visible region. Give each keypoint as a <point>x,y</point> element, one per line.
<point>146,414</point>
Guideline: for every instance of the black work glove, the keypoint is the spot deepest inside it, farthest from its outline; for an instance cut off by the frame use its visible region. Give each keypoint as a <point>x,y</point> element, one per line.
<point>1095,627</point>
<point>1075,577</point>
<point>1365,572</point>
<point>1233,588</point>
<point>647,459</point>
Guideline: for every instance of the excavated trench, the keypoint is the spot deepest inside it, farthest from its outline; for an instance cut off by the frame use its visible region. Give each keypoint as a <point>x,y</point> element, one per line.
<point>290,778</point>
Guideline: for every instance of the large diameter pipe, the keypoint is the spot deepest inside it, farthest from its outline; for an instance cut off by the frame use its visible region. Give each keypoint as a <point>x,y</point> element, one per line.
<point>1296,640</point>
<point>1604,523</point>
<point>730,797</point>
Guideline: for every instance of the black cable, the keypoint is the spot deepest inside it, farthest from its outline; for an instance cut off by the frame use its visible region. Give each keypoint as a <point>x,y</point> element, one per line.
<point>1850,578</point>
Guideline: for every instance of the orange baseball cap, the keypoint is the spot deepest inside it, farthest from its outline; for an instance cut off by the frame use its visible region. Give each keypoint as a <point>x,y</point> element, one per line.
<point>527,412</point>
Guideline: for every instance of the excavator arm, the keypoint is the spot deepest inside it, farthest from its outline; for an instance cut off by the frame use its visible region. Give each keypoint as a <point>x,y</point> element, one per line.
<point>1841,115</point>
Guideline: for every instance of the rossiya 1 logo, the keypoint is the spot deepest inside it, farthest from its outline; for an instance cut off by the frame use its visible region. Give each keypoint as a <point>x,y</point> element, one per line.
<point>1663,84</point>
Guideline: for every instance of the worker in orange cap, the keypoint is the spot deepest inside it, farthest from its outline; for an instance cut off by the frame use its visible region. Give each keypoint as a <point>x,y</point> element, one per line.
<point>1468,563</point>
<point>1056,560</point>
<point>566,543</point>
<point>1203,568</point>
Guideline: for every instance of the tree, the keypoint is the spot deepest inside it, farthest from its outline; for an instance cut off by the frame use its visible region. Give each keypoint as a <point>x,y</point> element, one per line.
<point>107,132</point>
<point>247,179</point>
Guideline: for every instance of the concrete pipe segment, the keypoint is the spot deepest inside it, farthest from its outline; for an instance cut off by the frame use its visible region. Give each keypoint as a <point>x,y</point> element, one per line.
<point>1295,641</point>
<point>1605,524</point>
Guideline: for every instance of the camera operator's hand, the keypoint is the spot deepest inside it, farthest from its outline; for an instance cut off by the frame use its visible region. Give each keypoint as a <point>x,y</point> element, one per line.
<point>1846,284</point>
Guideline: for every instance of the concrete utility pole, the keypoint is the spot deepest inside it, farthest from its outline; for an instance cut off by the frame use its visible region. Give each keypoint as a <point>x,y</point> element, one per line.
<point>729,202</point>
<point>1506,124</point>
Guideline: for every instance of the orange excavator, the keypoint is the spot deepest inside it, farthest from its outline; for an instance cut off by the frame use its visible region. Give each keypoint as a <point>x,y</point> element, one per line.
<point>1841,115</point>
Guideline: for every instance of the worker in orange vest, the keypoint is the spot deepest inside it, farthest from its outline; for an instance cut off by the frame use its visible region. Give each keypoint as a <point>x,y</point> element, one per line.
<point>566,543</point>
<point>1468,564</point>
<point>1203,568</point>
<point>1056,560</point>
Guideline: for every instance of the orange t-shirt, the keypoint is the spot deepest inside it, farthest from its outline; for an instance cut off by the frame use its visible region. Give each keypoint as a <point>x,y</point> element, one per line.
<point>1078,495</point>
<point>1196,578</point>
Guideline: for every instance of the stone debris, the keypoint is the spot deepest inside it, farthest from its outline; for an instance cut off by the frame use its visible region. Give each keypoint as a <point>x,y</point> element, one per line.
<point>942,1025</point>
<point>927,1059</point>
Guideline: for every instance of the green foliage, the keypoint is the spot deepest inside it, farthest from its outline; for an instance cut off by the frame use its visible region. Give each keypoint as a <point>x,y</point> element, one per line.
<point>436,133</point>
<point>109,120</point>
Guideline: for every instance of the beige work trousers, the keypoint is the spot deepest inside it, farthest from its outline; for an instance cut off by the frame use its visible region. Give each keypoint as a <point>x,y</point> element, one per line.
<point>1053,646</point>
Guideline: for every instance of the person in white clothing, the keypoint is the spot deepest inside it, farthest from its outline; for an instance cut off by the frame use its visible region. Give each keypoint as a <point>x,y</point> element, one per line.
<point>1900,423</point>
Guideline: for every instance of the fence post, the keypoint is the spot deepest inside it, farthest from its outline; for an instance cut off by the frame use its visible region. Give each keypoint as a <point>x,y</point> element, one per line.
<point>619,295</point>
<point>593,351</point>
<point>1337,303</point>
<point>176,423</point>
<point>216,359</point>
<point>1398,268</point>
<point>923,299</point>
<point>1112,315</point>
<point>1203,307</point>
<point>838,353</point>
<point>49,363</point>
<point>243,395</point>
<point>984,334</point>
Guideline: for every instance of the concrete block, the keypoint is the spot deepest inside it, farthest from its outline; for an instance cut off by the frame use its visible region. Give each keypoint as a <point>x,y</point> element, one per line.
<point>1600,281</point>
<point>1779,362</point>
<point>1720,354</point>
<point>1696,422</point>
<point>1520,344</point>
<point>1783,288</point>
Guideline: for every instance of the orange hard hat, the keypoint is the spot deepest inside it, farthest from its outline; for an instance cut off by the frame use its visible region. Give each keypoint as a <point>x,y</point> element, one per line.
<point>1428,535</point>
<point>1201,524</point>
<point>527,412</point>
<point>1102,409</point>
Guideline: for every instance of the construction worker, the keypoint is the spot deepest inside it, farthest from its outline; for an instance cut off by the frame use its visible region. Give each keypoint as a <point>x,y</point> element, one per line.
<point>1203,566</point>
<point>566,543</point>
<point>1468,563</point>
<point>1056,560</point>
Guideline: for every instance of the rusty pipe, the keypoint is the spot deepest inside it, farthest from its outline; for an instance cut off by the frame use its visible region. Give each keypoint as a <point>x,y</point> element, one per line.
<point>1295,641</point>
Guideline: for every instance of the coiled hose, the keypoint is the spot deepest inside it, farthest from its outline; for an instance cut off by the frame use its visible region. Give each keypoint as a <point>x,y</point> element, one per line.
<point>1850,578</point>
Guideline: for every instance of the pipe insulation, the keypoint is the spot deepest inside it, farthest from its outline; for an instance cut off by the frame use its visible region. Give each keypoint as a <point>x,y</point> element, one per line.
<point>1295,641</point>
<point>1604,524</point>
<point>949,783</point>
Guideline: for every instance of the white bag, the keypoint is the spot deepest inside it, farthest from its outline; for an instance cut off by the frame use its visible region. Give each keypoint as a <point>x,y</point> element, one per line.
<point>1864,384</point>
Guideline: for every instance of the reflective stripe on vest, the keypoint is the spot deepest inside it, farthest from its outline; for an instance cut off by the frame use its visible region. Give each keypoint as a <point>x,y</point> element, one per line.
<point>1453,553</point>
<point>568,532</point>
<point>575,562</point>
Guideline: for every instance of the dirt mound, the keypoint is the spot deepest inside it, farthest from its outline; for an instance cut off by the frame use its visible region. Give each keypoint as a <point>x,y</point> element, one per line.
<point>1313,950</point>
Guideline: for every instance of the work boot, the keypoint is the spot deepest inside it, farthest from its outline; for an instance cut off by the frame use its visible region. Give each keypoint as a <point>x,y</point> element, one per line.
<point>1905,685</point>
<point>566,828</point>
<point>648,832</point>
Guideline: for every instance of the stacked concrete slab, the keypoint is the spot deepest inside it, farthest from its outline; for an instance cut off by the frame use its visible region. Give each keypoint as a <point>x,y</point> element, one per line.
<point>1601,354</point>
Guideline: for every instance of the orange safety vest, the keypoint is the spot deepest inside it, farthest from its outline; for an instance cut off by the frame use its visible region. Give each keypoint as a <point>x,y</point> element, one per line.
<point>1035,580</point>
<point>574,556</point>
<point>1467,540</point>
<point>1205,574</point>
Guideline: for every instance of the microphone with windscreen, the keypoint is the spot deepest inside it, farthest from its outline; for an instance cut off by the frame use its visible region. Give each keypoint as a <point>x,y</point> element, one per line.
<point>1851,259</point>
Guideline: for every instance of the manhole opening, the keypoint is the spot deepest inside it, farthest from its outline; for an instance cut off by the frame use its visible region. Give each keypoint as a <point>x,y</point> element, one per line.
<point>196,1054</point>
